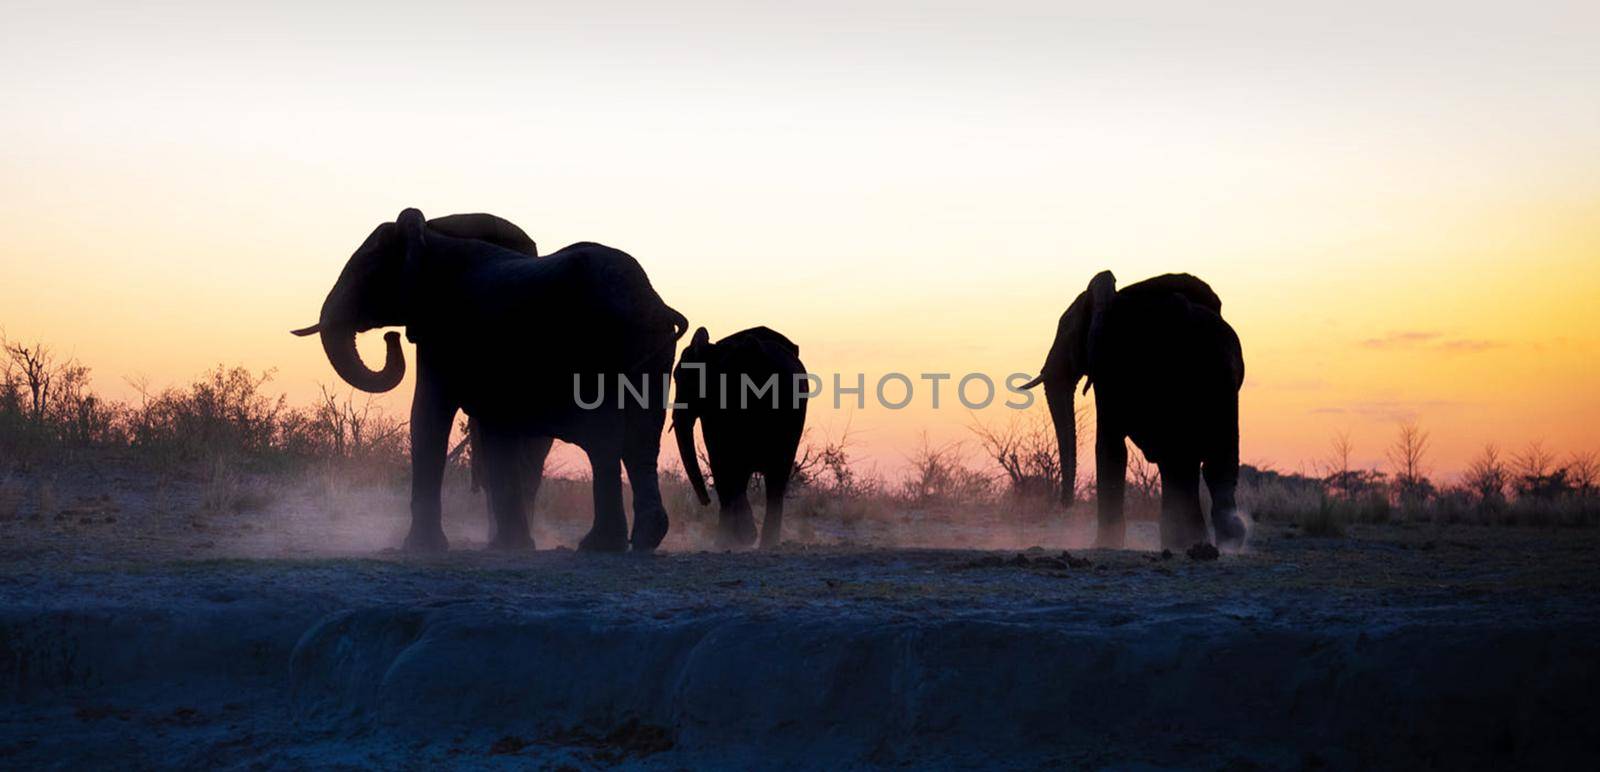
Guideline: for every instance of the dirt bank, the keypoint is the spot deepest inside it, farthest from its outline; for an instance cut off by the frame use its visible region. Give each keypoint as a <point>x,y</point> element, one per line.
<point>1394,648</point>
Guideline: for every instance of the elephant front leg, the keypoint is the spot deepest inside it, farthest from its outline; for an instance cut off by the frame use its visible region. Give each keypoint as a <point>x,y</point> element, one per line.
<point>502,462</point>
<point>1111,473</point>
<point>431,415</point>
<point>610,530</point>
<point>1182,524</point>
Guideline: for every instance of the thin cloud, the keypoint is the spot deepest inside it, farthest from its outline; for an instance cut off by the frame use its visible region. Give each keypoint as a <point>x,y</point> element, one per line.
<point>1401,339</point>
<point>1428,340</point>
<point>1385,410</point>
<point>1470,345</point>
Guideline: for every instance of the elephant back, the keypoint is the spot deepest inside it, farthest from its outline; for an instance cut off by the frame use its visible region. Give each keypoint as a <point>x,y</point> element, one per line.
<point>765,338</point>
<point>1191,288</point>
<point>486,227</point>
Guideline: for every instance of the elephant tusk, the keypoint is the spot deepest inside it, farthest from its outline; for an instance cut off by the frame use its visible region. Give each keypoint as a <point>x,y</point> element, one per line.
<point>304,331</point>
<point>450,458</point>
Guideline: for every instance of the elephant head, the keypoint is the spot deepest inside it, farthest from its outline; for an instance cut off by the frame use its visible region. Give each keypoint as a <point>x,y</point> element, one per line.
<point>376,286</point>
<point>700,350</point>
<point>1071,357</point>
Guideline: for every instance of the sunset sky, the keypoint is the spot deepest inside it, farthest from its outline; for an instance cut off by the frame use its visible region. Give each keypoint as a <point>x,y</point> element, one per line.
<point>1399,203</point>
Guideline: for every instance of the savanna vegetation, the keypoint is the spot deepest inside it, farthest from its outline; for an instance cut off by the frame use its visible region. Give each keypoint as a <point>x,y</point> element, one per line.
<point>227,430</point>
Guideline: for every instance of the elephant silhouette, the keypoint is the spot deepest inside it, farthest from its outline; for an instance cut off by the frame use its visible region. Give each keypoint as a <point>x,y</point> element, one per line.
<point>1166,370</point>
<point>747,429</point>
<point>427,448</point>
<point>507,339</point>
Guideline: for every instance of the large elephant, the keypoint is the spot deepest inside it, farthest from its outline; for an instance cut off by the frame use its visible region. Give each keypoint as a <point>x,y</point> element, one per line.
<point>747,428</point>
<point>508,340</point>
<point>1166,369</point>
<point>427,444</point>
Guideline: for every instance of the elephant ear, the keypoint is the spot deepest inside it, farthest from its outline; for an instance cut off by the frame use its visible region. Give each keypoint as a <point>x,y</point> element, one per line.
<point>485,227</point>
<point>1072,352</point>
<point>411,228</point>
<point>1102,289</point>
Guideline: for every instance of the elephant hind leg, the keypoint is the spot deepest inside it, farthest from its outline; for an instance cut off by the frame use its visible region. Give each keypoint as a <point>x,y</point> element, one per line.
<point>776,481</point>
<point>736,525</point>
<point>650,521</point>
<point>1222,478</point>
<point>610,530</point>
<point>1182,523</point>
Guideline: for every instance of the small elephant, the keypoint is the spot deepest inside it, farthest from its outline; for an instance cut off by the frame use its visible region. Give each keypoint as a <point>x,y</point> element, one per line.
<point>748,428</point>
<point>508,340</point>
<point>1166,370</point>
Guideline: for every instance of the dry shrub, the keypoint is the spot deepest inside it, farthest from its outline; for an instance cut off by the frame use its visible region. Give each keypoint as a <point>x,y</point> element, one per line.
<point>1025,450</point>
<point>940,477</point>
<point>1269,495</point>
<point>1326,520</point>
<point>677,495</point>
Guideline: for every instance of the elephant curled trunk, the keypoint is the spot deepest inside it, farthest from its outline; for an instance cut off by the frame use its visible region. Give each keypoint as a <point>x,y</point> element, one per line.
<point>683,428</point>
<point>339,343</point>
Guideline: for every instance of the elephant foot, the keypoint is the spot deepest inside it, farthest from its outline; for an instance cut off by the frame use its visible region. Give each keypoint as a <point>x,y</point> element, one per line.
<point>737,532</point>
<point>604,541</point>
<point>513,540</point>
<point>425,539</point>
<point>1231,532</point>
<point>648,530</point>
<point>770,538</point>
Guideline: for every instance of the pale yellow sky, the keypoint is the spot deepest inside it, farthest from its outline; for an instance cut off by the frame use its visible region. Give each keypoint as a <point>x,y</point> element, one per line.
<point>1399,203</point>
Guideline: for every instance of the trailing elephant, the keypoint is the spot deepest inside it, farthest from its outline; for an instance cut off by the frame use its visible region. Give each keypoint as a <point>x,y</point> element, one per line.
<point>1166,370</point>
<point>747,428</point>
<point>508,339</point>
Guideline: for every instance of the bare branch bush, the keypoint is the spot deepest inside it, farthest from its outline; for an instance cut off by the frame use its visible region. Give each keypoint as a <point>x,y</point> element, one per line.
<point>1536,474</point>
<point>1487,476</point>
<point>940,477</point>
<point>1408,456</point>
<point>1025,450</point>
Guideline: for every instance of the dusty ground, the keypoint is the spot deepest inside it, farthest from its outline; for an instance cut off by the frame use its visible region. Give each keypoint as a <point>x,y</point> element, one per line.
<point>136,631</point>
